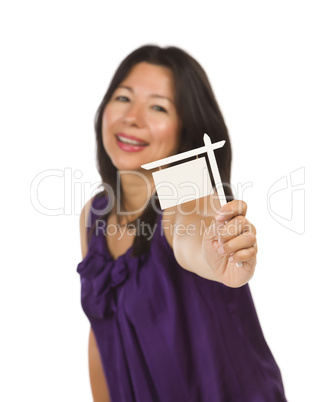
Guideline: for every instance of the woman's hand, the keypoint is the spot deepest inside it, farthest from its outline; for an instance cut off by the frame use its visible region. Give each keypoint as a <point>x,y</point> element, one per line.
<point>228,242</point>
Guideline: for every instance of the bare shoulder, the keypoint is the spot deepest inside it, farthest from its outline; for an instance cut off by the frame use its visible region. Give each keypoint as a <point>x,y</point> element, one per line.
<point>83,226</point>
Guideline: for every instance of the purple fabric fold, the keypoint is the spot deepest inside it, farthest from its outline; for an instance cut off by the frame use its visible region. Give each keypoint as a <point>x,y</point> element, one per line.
<point>165,334</point>
<point>100,274</point>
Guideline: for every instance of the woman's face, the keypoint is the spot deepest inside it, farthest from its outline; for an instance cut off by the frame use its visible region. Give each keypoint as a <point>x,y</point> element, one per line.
<point>140,123</point>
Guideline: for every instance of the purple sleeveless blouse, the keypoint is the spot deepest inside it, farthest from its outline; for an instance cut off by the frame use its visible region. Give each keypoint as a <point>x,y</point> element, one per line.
<point>167,335</point>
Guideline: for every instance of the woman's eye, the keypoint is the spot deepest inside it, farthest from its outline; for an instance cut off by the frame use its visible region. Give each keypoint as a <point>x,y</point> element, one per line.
<point>159,108</point>
<point>122,98</point>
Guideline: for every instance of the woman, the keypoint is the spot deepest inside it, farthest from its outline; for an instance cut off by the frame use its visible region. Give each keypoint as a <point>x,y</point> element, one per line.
<point>171,314</point>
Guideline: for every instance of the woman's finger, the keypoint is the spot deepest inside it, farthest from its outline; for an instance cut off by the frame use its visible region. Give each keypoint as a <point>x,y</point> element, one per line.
<point>234,228</point>
<point>245,255</point>
<point>231,209</point>
<point>243,241</point>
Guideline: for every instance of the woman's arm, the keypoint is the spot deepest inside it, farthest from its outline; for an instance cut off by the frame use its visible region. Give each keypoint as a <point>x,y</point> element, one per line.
<point>97,378</point>
<point>198,246</point>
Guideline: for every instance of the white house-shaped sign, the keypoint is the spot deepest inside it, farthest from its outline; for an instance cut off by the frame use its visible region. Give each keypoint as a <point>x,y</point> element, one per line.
<point>189,180</point>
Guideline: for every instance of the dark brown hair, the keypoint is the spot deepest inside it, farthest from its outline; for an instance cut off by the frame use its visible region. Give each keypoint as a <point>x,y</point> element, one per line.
<point>197,109</point>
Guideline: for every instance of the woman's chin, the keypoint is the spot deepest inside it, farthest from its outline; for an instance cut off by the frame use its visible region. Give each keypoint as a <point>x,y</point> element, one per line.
<point>133,164</point>
<point>128,166</point>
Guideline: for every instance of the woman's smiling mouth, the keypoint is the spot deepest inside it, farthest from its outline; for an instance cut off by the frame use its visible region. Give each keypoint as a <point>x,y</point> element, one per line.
<point>130,143</point>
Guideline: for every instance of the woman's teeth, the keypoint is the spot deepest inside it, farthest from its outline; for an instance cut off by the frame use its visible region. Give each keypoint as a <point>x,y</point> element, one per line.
<point>130,142</point>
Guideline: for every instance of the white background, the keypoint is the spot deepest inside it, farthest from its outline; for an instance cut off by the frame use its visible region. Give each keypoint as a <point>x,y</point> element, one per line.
<point>271,64</point>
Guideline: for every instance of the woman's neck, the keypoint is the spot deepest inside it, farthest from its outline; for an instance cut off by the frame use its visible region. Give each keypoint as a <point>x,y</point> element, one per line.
<point>137,189</point>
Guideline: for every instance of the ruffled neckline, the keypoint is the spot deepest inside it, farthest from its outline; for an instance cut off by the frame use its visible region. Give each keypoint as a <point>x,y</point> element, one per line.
<point>106,251</point>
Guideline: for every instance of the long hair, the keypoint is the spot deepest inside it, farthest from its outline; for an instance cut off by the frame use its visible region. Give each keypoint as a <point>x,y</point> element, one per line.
<point>197,109</point>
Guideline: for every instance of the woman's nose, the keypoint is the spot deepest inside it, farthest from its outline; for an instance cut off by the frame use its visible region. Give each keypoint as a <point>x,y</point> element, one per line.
<point>134,115</point>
